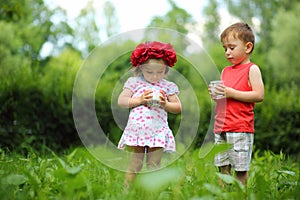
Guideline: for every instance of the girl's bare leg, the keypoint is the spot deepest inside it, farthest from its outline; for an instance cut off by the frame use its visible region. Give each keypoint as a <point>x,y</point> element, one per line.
<point>135,164</point>
<point>153,157</point>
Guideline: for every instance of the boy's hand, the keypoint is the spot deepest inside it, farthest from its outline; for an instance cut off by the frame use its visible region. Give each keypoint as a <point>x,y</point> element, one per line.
<point>217,92</point>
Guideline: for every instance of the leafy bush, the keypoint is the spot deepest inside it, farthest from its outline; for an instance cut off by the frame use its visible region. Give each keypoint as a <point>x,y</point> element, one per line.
<point>277,119</point>
<point>37,108</point>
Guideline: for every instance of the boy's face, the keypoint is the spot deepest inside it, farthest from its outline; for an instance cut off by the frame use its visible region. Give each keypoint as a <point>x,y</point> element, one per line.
<point>153,70</point>
<point>236,51</point>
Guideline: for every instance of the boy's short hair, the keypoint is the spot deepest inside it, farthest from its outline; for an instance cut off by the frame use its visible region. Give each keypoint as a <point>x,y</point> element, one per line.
<point>241,31</point>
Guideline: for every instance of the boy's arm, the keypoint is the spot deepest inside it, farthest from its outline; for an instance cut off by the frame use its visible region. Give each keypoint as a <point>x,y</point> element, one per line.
<point>256,82</point>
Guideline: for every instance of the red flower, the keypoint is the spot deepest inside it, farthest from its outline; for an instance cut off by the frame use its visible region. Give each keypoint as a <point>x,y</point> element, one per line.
<point>156,50</point>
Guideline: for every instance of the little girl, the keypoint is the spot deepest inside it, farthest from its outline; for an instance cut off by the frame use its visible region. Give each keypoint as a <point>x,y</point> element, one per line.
<point>147,132</point>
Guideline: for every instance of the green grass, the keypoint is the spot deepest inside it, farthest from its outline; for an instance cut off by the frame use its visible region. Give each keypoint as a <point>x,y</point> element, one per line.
<point>76,174</point>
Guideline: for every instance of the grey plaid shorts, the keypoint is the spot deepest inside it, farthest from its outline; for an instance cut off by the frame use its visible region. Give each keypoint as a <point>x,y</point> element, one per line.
<point>239,156</point>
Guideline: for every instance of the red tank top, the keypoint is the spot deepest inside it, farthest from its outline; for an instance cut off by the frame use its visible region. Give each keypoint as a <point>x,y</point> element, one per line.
<point>233,115</point>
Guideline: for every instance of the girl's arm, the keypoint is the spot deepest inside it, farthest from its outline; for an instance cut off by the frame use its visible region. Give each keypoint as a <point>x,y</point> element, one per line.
<point>172,105</point>
<point>125,99</point>
<point>257,93</point>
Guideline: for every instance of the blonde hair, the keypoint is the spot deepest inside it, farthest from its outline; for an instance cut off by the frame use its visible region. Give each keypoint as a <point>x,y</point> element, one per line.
<point>136,71</point>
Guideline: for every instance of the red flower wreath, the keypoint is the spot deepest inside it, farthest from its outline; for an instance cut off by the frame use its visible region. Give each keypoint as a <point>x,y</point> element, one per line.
<point>156,50</point>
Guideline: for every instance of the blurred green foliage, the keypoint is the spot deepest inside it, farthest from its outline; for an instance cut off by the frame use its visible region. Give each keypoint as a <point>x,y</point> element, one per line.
<point>36,92</point>
<point>76,174</point>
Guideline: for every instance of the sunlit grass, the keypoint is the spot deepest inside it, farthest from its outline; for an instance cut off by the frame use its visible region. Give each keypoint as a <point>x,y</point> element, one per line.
<point>77,174</point>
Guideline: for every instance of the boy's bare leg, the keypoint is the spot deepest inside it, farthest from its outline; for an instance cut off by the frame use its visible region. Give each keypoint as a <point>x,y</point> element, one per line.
<point>224,170</point>
<point>242,176</point>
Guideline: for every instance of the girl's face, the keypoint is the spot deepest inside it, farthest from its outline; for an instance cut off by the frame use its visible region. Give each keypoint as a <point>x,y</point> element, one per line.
<point>153,70</point>
<point>236,51</point>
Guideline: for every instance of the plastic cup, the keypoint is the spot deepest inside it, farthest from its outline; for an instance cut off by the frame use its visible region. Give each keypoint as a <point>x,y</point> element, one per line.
<point>213,85</point>
<point>155,98</point>
<point>156,95</point>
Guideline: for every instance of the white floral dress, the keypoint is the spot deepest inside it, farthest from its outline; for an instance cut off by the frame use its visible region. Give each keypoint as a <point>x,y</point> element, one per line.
<point>147,125</point>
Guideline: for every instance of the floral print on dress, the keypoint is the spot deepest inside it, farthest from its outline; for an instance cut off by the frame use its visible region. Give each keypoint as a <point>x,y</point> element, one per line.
<point>147,125</point>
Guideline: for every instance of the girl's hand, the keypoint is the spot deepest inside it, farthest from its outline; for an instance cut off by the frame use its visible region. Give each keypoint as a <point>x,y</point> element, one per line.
<point>171,103</point>
<point>163,99</point>
<point>126,100</point>
<point>145,97</point>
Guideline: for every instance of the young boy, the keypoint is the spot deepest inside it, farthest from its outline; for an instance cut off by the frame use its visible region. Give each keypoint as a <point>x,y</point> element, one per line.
<point>242,87</point>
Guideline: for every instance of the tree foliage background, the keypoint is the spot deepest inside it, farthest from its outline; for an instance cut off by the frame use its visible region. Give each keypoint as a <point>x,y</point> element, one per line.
<point>36,91</point>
